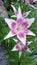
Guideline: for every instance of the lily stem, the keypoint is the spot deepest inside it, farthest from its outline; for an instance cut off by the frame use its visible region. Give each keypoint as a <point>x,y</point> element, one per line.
<point>19,63</point>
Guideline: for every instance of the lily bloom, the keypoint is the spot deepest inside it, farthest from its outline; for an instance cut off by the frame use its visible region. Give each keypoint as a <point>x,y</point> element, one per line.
<point>30,3</point>
<point>18,13</point>
<point>20,47</point>
<point>19,27</point>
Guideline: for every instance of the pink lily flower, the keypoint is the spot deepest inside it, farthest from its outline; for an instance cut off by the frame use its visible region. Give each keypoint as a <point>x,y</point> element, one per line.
<point>19,27</point>
<point>18,13</point>
<point>20,47</point>
<point>30,2</point>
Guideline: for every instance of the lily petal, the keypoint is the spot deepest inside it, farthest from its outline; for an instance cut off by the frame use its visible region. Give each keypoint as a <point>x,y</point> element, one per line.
<point>19,13</point>
<point>9,22</point>
<point>13,16</point>
<point>34,0</point>
<point>9,35</point>
<point>22,37</point>
<point>28,50</point>
<point>15,40</point>
<point>26,14</point>
<point>14,9</point>
<point>20,53</point>
<point>29,42</point>
<point>15,49</point>
<point>30,33</point>
<point>30,21</point>
<point>32,6</point>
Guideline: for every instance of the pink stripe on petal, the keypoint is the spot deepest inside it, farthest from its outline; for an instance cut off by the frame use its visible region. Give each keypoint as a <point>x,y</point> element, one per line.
<point>26,14</point>
<point>25,48</point>
<point>13,25</point>
<point>25,25</point>
<point>9,22</point>
<point>13,32</point>
<point>26,31</point>
<point>18,42</point>
<point>19,21</point>
<point>21,35</point>
<point>20,49</point>
<point>26,44</point>
<point>17,47</point>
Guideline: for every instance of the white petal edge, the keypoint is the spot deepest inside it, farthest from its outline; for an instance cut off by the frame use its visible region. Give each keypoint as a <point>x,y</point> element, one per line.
<point>20,53</point>
<point>30,21</point>
<point>9,22</point>
<point>14,49</point>
<point>9,35</point>
<point>31,33</point>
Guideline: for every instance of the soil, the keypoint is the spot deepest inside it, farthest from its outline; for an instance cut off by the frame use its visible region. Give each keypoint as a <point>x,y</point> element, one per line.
<point>3,55</point>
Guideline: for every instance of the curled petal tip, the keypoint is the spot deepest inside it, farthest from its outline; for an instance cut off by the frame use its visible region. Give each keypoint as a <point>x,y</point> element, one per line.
<point>15,40</point>
<point>30,42</point>
<point>33,19</point>
<point>32,6</point>
<point>14,8</point>
<point>29,11</point>
<point>13,16</point>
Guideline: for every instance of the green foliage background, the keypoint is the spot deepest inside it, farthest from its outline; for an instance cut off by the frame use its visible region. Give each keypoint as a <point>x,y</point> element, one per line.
<point>26,58</point>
